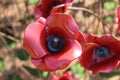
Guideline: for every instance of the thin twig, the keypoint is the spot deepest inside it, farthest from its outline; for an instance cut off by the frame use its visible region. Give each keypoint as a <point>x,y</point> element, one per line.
<point>9,37</point>
<point>91,12</point>
<point>4,42</point>
<point>86,10</point>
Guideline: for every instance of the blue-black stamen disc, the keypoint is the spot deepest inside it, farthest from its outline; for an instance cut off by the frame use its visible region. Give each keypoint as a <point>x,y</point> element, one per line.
<point>56,4</point>
<point>101,52</point>
<point>55,44</point>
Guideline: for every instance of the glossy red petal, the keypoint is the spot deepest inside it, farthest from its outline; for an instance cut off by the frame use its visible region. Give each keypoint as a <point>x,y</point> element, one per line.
<point>61,60</point>
<point>62,25</point>
<point>44,9</point>
<point>106,39</point>
<point>118,30</point>
<point>40,64</point>
<point>81,37</point>
<point>87,57</point>
<point>117,20</point>
<point>54,77</point>
<point>118,12</point>
<point>90,38</point>
<point>111,42</point>
<point>47,4</point>
<point>59,9</point>
<point>106,66</point>
<point>34,39</point>
<point>39,12</point>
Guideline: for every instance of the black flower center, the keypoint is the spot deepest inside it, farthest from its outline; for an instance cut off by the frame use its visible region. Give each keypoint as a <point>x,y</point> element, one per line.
<point>102,52</point>
<point>55,44</point>
<point>56,4</point>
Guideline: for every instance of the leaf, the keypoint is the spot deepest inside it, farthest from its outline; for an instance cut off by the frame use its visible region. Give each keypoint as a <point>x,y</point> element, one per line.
<point>99,33</point>
<point>110,5</point>
<point>12,45</point>
<point>2,65</point>
<point>108,19</point>
<point>78,70</point>
<point>22,54</point>
<point>109,75</point>
<point>33,72</point>
<point>14,77</point>
<point>44,74</point>
<point>32,1</point>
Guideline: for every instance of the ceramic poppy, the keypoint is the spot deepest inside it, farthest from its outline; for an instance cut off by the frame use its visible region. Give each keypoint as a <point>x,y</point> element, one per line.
<point>51,43</point>
<point>66,76</point>
<point>44,8</point>
<point>100,54</point>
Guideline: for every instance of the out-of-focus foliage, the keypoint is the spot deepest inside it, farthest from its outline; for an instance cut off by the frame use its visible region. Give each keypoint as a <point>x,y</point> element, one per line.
<point>14,77</point>
<point>110,5</point>
<point>78,70</point>
<point>108,19</point>
<point>22,54</point>
<point>2,65</point>
<point>109,75</point>
<point>32,1</point>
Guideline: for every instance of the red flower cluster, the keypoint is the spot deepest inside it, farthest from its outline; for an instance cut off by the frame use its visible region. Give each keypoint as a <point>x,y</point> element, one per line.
<point>54,41</point>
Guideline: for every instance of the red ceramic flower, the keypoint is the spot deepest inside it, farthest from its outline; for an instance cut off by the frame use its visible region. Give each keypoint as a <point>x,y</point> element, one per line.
<point>44,8</point>
<point>117,20</point>
<point>100,54</point>
<point>51,43</point>
<point>65,76</point>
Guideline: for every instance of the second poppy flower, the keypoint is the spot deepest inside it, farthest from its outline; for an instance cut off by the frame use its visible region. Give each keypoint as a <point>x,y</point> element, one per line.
<point>44,8</point>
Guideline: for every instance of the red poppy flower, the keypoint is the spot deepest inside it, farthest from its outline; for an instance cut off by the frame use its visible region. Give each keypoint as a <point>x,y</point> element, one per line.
<point>44,8</point>
<point>100,54</point>
<point>65,76</point>
<point>117,20</point>
<point>51,43</point>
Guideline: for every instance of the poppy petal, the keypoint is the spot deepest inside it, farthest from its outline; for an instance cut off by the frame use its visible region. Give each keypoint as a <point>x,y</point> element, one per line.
<point>107,39</point>
<point>62,24</point>
<point>34,39</point>
<point>39,12</point>
<point>59,9</point>
<point>105,67</point>
<point>87,58</point>
<point>70,52</point>
<point>47,4</point>
<point>40,64</point>
<point>44,8</point>
<point>111,42</point>
<point>80,37</point>
<point>118,12</point>
<point>118,30</point>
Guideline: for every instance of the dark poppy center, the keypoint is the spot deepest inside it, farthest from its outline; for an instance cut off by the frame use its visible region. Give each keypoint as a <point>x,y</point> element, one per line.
<point>102,52</point>
<point>56,4</point>
<point>55,44</point>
